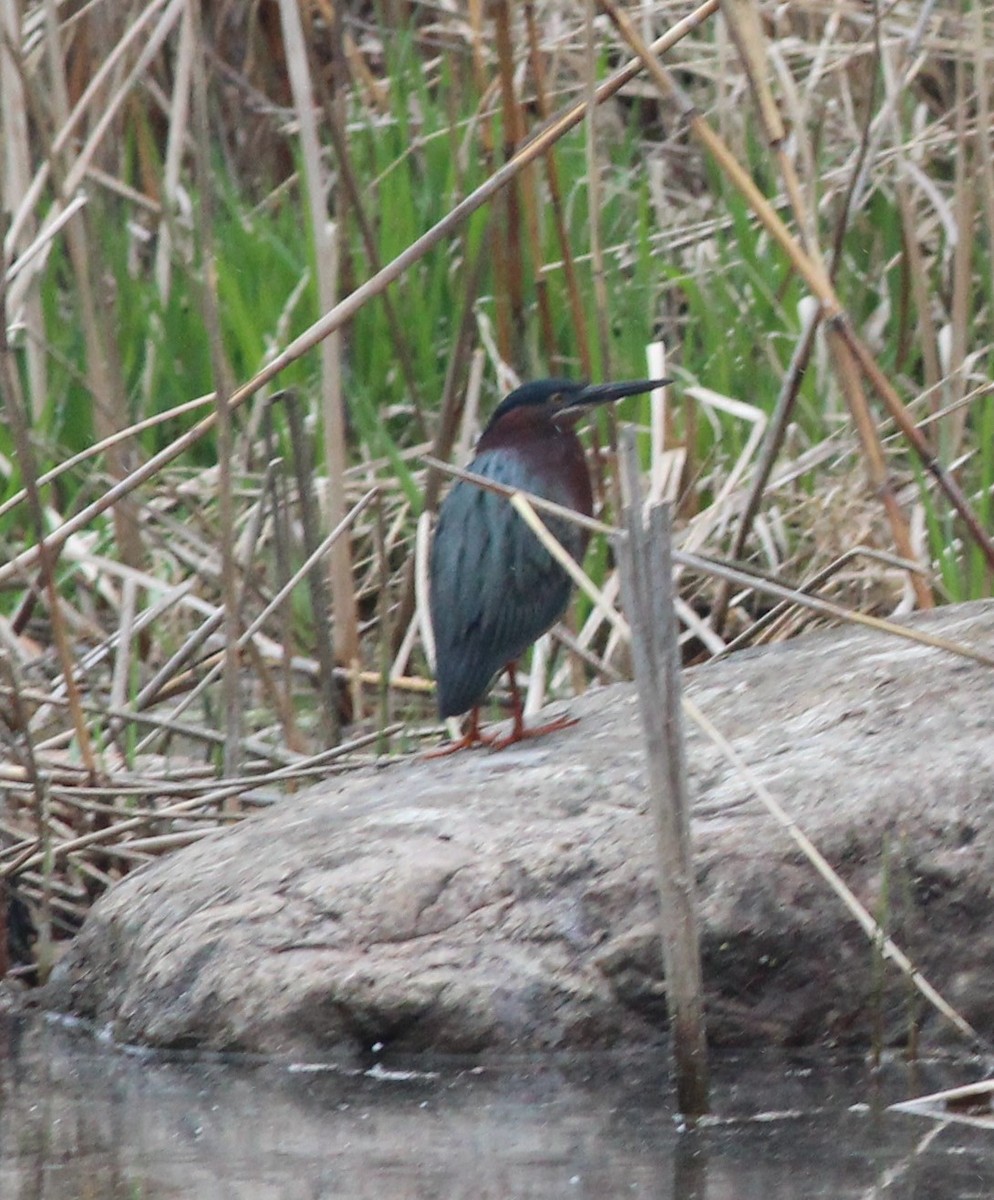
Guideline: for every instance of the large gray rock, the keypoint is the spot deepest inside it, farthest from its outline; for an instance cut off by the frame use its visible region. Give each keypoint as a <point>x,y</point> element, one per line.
<point>505,902</point>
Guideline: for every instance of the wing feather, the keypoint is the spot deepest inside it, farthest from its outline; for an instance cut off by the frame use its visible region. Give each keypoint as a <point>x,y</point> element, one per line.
<point>494,586</point>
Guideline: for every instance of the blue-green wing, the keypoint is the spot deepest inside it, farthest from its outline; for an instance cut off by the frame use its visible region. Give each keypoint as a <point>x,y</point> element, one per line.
<point>494,588</point>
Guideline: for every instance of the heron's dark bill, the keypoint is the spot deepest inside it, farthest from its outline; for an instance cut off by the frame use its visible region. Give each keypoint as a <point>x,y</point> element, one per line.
<point>607,393</point>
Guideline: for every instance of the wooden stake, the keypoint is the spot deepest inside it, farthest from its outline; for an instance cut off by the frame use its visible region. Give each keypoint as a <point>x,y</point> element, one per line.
<point>646,569</point>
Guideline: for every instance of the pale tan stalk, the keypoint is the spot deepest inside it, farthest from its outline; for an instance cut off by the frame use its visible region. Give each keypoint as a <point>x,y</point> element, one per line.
<point>326,265</point>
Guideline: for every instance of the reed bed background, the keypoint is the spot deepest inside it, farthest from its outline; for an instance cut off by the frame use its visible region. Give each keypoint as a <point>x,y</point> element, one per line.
<point>210,586</point>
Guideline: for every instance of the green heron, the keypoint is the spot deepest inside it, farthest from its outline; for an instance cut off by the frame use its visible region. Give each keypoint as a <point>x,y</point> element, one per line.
<point>495,588</point>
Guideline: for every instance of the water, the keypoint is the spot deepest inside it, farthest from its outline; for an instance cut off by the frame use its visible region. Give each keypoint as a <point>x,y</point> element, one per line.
<point>81,1120</point>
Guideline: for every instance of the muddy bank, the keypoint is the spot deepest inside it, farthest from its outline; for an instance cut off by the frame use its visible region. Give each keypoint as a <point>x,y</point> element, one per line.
<point>501,903</point>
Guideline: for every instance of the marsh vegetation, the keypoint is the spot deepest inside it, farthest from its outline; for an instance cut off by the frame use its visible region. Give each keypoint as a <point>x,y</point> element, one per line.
<point>188,192</point>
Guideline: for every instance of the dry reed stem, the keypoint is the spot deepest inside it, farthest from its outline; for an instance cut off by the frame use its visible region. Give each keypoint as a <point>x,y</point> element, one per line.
<point>179,117</point>
<point>109,64</point>
<point>970,1103</point>
<point>102,368</point>
<point>962,274</point>
<point>98,448</point>
<point>813,272</point>
<point>555,201</point>
<point>655,358</point>
<point>14,108</point>
<point>357,207</point>
<point>591,627</point>
<point>207,295</point>
<point>123,660</point>
<point>601,306</point>
<point>762,628</point>
<point>509,291</point>
<point>24,858</point>
<point>873,457</point>
<point>708,566</point>
<point>346,308</point>
<point>985,152</point>
<point>14,407</point>
<point>346,629</point>
<point>329,691</point>
<point>255,625</point>
<point>702,524</point>
<point>522,505</point>
<point>770,451</point>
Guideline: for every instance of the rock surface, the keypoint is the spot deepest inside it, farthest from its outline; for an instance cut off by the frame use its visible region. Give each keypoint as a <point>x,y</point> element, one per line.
<point>489,904</point>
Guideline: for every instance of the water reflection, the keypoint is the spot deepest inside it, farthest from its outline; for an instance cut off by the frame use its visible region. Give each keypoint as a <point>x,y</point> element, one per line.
<point>81,1120</point>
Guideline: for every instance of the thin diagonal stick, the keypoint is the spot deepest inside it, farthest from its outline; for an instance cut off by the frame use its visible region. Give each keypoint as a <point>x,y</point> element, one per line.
<point>710,566</point>
<point>823,867</point>
<point>257,623</point>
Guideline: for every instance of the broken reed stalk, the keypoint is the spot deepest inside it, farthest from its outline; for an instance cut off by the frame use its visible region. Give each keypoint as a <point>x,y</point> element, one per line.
<point>646,569</point>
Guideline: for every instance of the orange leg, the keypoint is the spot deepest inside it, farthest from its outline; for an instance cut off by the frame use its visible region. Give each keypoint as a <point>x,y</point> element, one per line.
<point>474,735</point>
<point>518,731</point>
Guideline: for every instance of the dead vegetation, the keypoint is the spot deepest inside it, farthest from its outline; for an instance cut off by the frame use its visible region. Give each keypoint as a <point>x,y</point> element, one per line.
<point>223,606</point>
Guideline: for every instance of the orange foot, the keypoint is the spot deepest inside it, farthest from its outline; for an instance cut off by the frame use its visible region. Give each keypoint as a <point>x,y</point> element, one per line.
<point>474,736</point>
<point>521,734</point>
